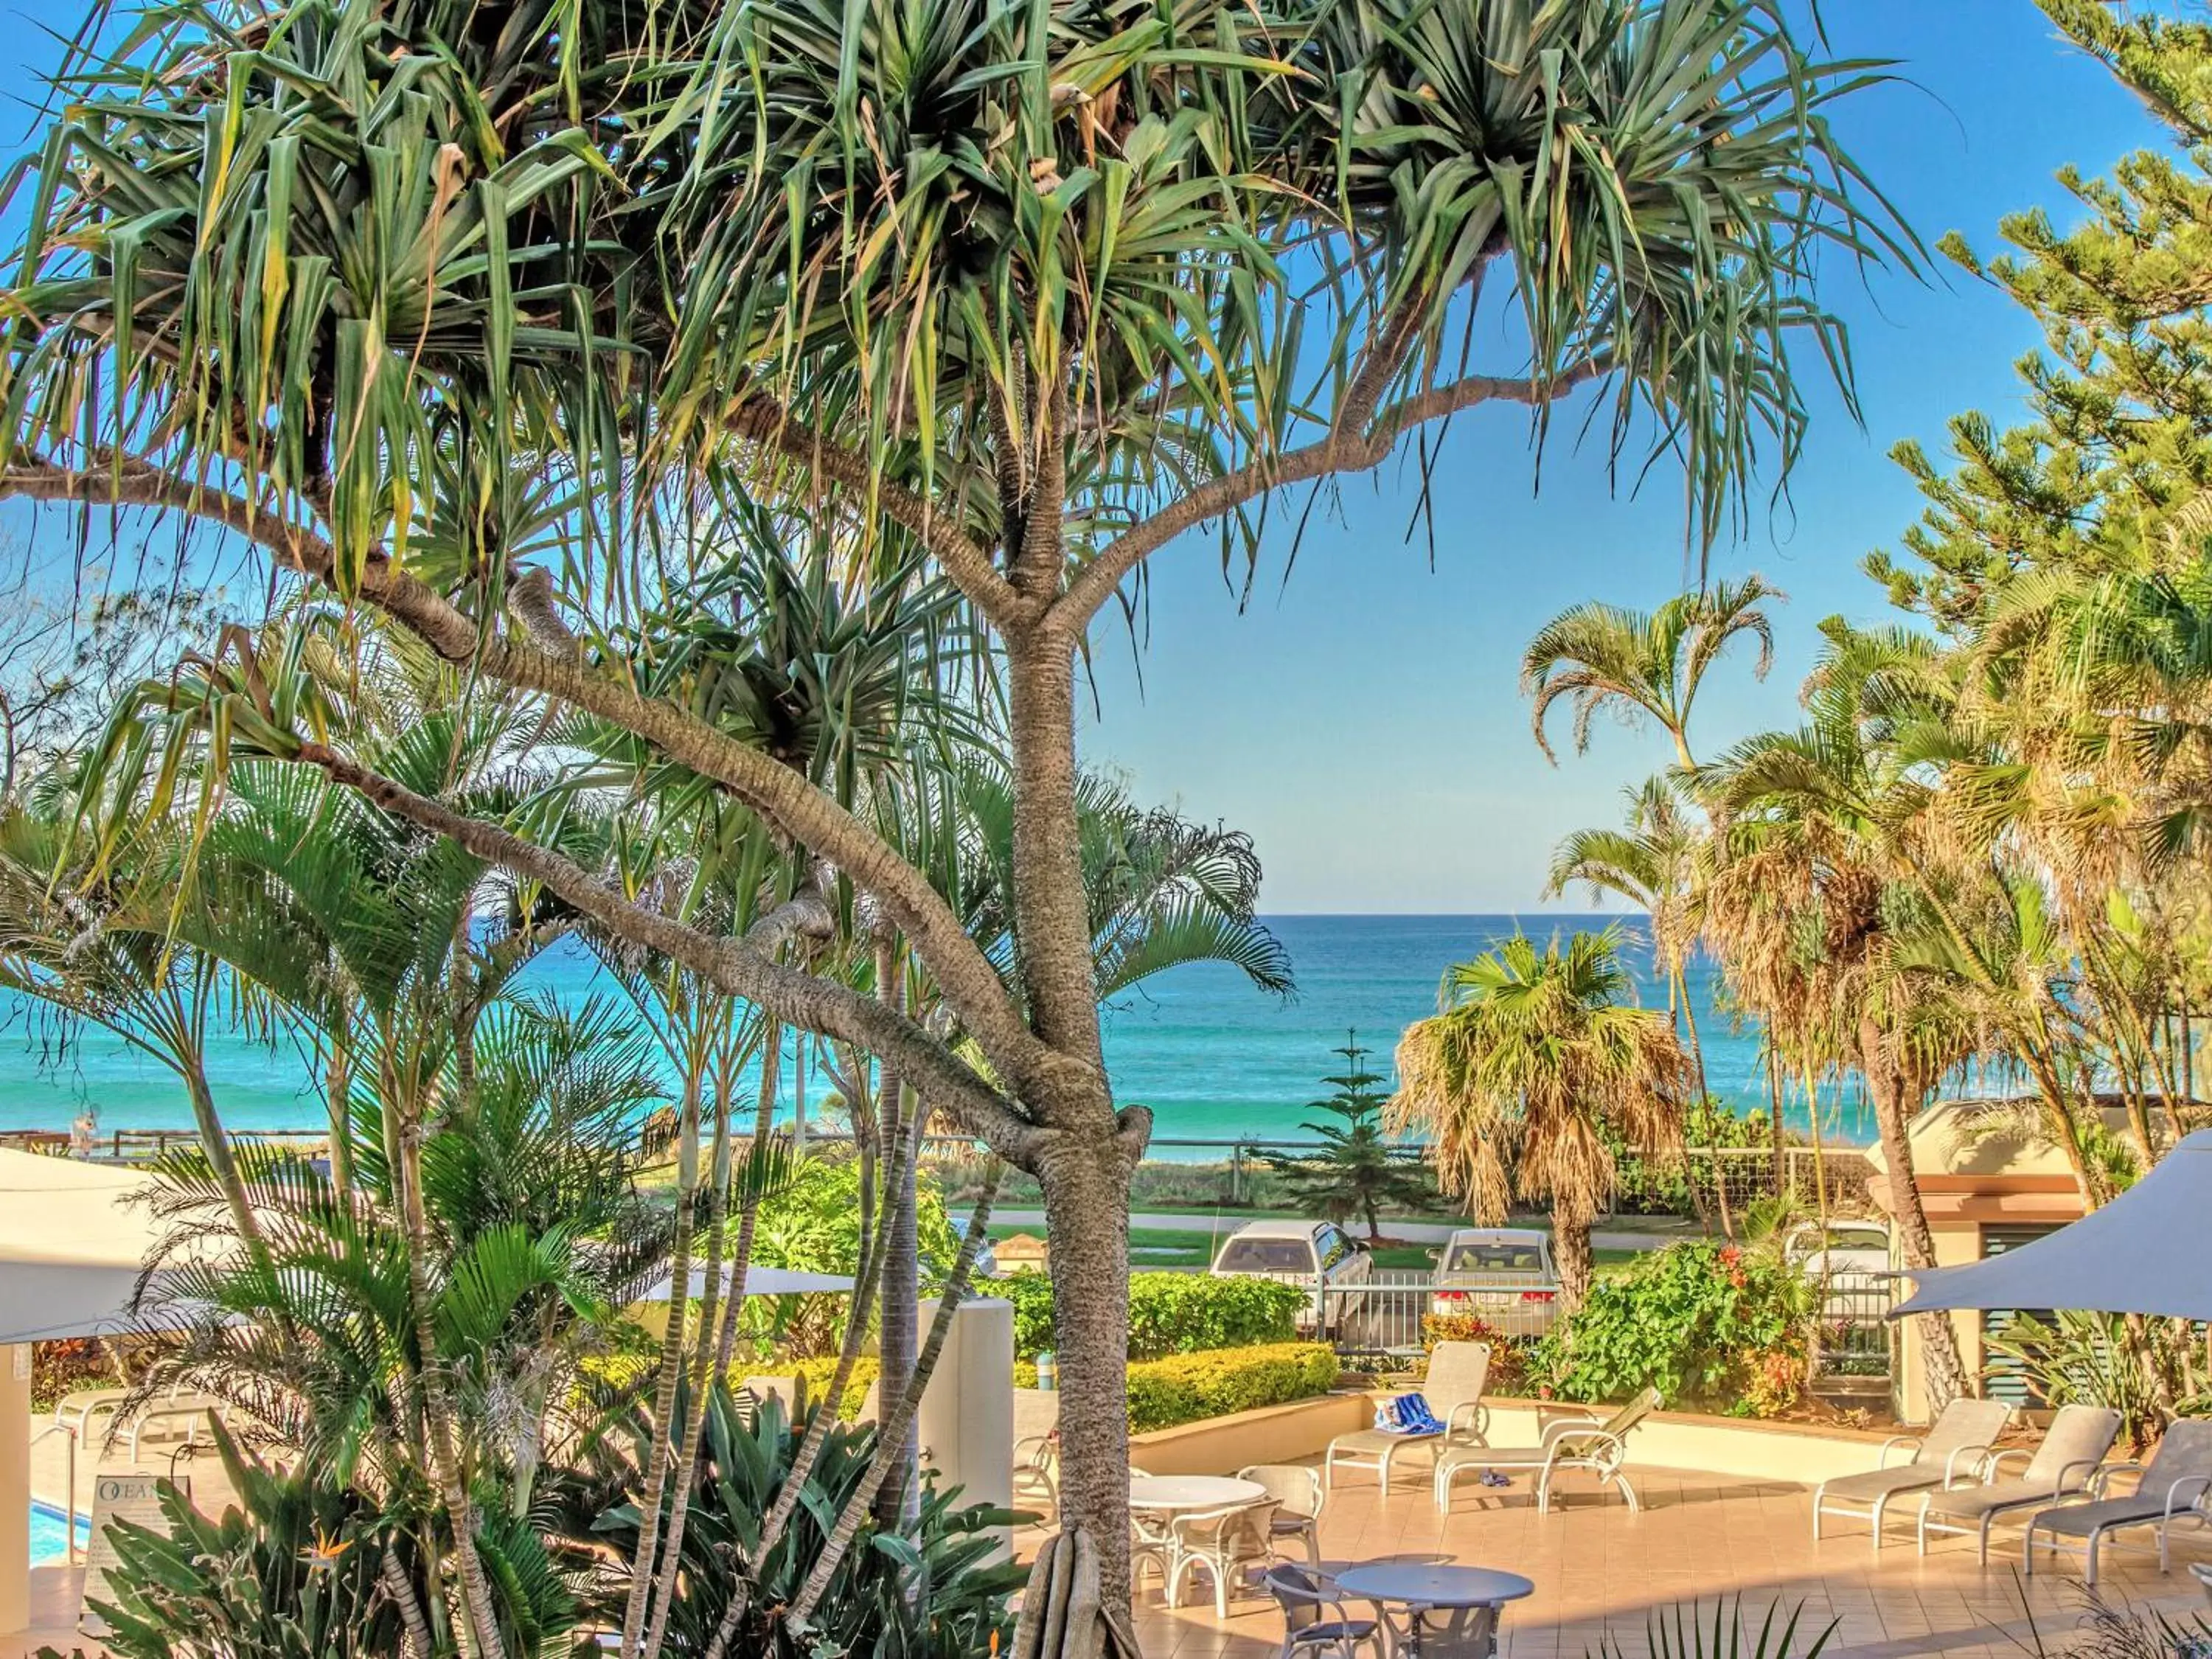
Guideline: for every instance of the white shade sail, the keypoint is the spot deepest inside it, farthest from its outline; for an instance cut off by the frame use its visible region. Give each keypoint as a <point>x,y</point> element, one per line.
<point>73,1238</point>
<point>2150,1251</point>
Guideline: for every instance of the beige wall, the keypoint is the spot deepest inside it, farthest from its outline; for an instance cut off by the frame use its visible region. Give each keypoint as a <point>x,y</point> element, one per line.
<point>1273,1434</point>
<point>1954,1247</point>
<point>15,1487</point>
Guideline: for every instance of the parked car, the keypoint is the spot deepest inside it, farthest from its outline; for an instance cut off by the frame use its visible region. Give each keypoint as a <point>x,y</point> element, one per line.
<point>1848,1256</point>
<point>1848,1263</point>
<point>1503,1276</point>
<point>1317,1254</point>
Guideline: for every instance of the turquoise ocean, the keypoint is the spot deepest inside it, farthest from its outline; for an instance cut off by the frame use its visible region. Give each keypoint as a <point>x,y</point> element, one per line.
<point>1214,1059</point>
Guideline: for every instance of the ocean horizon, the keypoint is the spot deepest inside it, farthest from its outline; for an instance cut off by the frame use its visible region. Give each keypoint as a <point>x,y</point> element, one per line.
<point>1215,1058</point>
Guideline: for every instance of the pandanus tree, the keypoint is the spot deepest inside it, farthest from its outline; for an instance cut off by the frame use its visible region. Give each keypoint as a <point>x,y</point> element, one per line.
<point>1538,1059</point>
<point>461,318</point>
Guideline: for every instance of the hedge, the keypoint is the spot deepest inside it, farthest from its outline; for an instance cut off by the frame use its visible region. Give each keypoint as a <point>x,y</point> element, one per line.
<point>1169,1313</point>
<point>1186,1388</point>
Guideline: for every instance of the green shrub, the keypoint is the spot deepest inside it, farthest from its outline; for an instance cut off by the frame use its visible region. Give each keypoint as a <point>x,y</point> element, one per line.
<point>1187,1387</point>
<point>1509,1355</point>
<point>1171,1313</point>
<point>1704,1324</point>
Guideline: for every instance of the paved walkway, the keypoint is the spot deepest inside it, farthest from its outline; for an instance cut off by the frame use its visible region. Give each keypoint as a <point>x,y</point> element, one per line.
<point>1601,1572</point>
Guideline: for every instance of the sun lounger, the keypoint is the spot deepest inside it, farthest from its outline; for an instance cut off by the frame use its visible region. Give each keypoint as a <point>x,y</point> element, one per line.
<point>1457,1372</point>
<point>2074,1447</point>
<point>169,1412</point>
<point>76,1409</point>
<point>1951,1451</point>
<point>2171,1489</point>
<point>1597,1448</point>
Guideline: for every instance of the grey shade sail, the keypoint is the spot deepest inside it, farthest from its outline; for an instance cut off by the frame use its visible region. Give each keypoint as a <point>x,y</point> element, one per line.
<point>2148,1251</point>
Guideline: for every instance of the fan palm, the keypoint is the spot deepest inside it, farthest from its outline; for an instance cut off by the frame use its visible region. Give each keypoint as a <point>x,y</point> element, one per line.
<point>1643,662</point>
<point>1537,1062</point>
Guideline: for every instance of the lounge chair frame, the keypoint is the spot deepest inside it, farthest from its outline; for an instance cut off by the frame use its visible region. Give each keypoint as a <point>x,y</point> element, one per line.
<point>1594,1445</point>
<point>1962,1462</point>
<point>2183,1500</point>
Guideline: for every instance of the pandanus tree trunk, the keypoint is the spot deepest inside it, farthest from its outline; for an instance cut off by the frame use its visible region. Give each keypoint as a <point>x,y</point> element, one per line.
<point>1885,1089</point>
<point>1085,1150</point>
<point>899,1333</point>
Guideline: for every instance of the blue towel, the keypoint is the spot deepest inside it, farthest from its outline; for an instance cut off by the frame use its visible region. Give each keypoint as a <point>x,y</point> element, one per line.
<point>1407,1413</point>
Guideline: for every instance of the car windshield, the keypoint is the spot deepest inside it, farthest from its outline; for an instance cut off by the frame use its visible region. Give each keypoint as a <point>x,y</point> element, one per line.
<point>1267,1255</point>
<point>1494,1258</point>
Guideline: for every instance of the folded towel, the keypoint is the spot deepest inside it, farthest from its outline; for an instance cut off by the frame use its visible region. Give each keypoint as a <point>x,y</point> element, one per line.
<point>1407,1413</point>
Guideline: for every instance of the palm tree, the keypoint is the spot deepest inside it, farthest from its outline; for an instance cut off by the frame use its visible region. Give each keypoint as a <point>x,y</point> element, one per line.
<point>504,302</point>
<point>1654,864</point>
<point>1537,1059</point>
<point>1827,844</point>
<point>1650,664</point>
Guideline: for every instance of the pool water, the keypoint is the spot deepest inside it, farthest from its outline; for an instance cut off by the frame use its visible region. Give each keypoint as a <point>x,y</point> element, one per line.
<point>49,1532</point>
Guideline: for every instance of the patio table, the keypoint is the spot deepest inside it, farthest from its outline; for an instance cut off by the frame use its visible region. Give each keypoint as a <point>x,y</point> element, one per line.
<point>1170,1494</point>
<point>1421,1591</point>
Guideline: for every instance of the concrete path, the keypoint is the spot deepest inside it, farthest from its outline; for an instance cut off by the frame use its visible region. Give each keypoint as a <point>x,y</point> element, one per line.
<point>1406,1232</point>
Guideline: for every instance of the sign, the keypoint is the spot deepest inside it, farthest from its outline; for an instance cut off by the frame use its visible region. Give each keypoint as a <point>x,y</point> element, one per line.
<point>117,1498</point>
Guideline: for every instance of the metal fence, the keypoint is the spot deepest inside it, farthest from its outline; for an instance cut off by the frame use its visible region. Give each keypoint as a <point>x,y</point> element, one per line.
<point>1853,1350</point>
<point>1381,1317</point>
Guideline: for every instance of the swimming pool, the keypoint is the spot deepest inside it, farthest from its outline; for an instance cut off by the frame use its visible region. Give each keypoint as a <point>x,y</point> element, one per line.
<point>49,1532</point>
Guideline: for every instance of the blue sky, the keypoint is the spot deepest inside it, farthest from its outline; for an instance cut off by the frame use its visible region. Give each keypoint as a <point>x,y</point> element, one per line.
<point>1363,720</point>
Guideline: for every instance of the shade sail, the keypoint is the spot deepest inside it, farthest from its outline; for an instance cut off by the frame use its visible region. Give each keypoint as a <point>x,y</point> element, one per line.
<point>2148,1251</point>
<point>73,1238</point>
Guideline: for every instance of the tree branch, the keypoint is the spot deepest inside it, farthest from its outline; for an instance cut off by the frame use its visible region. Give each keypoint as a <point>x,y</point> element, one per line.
<point>964,974</point>
<point>734,966</point>
<point>767,423</point>
<point>1345,449</point>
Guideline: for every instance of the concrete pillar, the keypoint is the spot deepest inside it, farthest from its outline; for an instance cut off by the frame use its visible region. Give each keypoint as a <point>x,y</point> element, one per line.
<point>15,1487</point>
<point>967,1416</point>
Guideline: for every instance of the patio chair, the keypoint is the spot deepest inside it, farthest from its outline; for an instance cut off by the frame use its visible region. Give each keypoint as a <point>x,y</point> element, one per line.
<point>1037,1470</point>
<point>2170,1488</point>
<point>1453,1388</point>
<point>2074,1447</point>
<point>1952,1450</point>
<point>1585,1444</point>
<point>1314,1621</point>
<point>1299,1496</point>
<point>1223,1541</point>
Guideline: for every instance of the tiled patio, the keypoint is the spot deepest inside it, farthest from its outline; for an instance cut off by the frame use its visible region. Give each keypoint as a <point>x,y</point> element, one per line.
<point>1599,1571</point>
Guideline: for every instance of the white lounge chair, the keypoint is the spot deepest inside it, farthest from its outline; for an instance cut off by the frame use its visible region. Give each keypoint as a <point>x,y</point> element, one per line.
<point>1457,1373</point>
<point>2171,1489</point>
<point>1951,1451</point>
<point>2074,1447</point>
<point>1586,1443</point>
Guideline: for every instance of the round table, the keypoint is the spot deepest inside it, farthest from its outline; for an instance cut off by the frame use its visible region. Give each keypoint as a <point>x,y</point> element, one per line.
<point>1181,1493</point>
<point>1424,1589</point>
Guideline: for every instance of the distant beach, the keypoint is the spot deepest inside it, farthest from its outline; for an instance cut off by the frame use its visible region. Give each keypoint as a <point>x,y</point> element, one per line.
<point>1214,1059</point>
